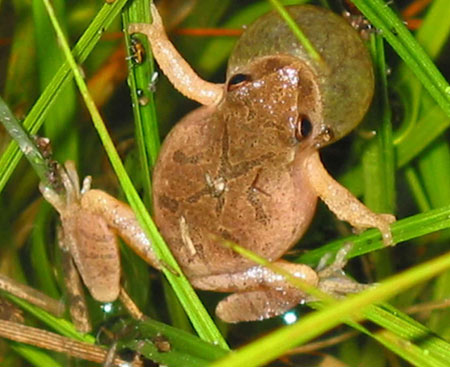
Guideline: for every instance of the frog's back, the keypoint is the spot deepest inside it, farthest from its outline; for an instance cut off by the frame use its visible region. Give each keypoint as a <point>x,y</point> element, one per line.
<point>209,186</point>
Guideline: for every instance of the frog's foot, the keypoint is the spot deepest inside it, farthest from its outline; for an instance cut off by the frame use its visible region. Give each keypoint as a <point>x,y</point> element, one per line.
<point>381,221</point>
<point>257,305</point>
<point>260,292</point>
<point>332,278</point>
<point>71,183</point>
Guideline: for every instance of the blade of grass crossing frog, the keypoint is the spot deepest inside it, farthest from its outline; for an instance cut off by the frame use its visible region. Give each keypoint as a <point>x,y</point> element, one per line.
<point>307,45</point>
<point>39,111</point>
<point>273,345</point>
<point>196,311</point>
<point>402,344</point>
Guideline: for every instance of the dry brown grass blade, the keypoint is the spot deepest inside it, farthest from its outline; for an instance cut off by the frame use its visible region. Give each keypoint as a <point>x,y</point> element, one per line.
<point>51,341</point>
<point>31,295</point>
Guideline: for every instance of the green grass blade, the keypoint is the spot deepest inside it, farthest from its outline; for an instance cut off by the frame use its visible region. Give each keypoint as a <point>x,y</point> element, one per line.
<point>417,189</point>
<point>401,40</point>
<point>27,146</point>
<point>35,356</point>
<point>38,113</point>
<point>304,41</point>
<point>185,349</point>
<point>57,125</point>
<point>61,326</point>
<point>424,121</point>
<point>140,73</point>
<point>403,230</point>
<point>398,336</point>
<point>182,340</point>
<point>378,156</point>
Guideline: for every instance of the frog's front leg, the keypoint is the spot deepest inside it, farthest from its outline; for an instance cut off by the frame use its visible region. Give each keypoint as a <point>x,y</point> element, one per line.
<point>342,202</point>
<point>174,66</point>
<point>260,293</point>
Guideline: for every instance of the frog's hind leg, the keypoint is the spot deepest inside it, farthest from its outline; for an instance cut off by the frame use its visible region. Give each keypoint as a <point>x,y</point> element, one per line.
<point>259,292</point>
<point>122,221</point>
<point>257,305</point>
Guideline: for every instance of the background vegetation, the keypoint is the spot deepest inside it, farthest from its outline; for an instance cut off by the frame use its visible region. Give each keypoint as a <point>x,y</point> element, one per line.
<point>403,168</point>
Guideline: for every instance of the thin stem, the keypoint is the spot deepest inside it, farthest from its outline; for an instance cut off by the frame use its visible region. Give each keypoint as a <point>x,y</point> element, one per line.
<point>51,341</point>
<point>310,49</point>
<point>26,144</point>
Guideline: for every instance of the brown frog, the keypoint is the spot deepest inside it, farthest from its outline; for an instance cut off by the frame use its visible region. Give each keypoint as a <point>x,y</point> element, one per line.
<point>244,167</point>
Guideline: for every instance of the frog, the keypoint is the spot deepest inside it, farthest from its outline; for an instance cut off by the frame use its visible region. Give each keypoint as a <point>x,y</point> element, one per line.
<point>243,167</point>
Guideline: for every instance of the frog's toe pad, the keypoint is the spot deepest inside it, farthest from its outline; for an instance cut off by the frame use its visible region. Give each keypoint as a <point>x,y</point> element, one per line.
<point>256,305</point>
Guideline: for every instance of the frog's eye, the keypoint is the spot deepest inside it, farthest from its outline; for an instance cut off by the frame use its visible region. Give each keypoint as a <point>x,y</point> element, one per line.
<point>303,128</point>
<point>238,80</point>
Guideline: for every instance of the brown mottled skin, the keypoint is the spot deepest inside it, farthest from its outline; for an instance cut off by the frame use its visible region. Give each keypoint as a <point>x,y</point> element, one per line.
<point>245,167</point>
<point>234,171</point>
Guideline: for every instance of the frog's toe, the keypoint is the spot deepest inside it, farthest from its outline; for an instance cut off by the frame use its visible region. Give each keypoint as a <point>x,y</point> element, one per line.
<point>55,199</point>
<point>388,218</point>
<point>138,28</point>
<point>257,305</point>
<point>340,286</point>
<point>384,226</point>
<point>70,181</point>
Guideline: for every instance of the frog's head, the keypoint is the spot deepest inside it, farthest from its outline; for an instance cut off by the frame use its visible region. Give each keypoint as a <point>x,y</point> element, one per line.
<point>335,93</point>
